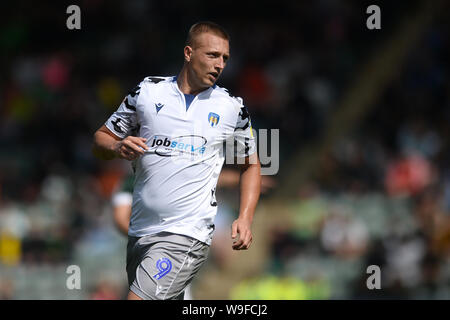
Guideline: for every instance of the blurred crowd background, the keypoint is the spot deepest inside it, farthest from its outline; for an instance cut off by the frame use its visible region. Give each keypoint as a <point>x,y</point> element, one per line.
<point>363,116</point>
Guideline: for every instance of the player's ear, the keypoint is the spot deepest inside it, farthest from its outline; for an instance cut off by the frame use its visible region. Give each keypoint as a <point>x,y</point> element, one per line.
<point>187,53</point>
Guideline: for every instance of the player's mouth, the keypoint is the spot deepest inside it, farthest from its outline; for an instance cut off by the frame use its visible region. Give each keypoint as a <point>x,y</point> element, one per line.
<point>214,75</point>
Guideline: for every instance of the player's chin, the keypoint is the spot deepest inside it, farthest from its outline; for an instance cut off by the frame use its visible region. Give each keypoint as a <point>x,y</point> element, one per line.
<point>210,80</point>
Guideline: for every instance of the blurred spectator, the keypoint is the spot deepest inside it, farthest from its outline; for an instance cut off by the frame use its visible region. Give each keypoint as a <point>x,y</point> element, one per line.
<point>408,175</point>
<point>105,290</point>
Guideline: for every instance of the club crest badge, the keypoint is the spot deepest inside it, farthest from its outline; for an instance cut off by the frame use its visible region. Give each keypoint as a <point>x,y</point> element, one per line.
<point>213,119</point>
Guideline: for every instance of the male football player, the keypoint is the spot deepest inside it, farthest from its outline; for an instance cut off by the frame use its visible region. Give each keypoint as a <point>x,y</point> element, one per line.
<point>181,123</point>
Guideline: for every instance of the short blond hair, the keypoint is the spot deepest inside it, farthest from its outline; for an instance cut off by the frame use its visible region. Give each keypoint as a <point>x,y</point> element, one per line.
<point>205,26</point>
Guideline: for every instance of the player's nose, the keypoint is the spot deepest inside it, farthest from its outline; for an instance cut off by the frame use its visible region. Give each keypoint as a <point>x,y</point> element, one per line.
<point>220,65</point>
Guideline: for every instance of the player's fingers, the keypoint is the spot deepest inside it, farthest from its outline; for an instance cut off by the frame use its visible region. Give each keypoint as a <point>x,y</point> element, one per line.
<point>136,149</point>
<point>131,154</point>
<point>234,230</point>
<point>250,243</point>
<point>237,245</point>
<point>131,146</point>
<point>126,154</point>
<point>123,152</point>
<point>139,141</point>
<point>244,244</point>
<point>246,239</point>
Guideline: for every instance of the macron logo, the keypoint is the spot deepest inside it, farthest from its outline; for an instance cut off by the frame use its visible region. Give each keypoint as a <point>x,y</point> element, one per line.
<point>158,107</point>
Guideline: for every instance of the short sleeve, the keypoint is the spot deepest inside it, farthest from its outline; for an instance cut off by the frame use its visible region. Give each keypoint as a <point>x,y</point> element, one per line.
<point>243,133</point>
<point>121,199</point>
<point>124,121</point>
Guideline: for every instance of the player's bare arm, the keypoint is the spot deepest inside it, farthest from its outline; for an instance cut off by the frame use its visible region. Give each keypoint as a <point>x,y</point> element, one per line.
<point>121,215</point>
<point>250,187</point>
<point>108,146</point>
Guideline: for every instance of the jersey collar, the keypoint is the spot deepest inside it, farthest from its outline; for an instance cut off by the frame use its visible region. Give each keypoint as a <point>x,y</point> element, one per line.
<point>177,89</point>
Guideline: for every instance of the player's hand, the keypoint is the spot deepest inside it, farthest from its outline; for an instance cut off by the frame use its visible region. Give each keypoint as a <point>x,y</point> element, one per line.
<point>130,148</point>
<point>241,227</point>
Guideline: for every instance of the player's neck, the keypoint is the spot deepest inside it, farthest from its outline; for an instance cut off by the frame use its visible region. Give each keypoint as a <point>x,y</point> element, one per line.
<point>186,85</point>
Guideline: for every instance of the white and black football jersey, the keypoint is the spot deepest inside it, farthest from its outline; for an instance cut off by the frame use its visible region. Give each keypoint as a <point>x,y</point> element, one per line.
<point>176,178</point>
